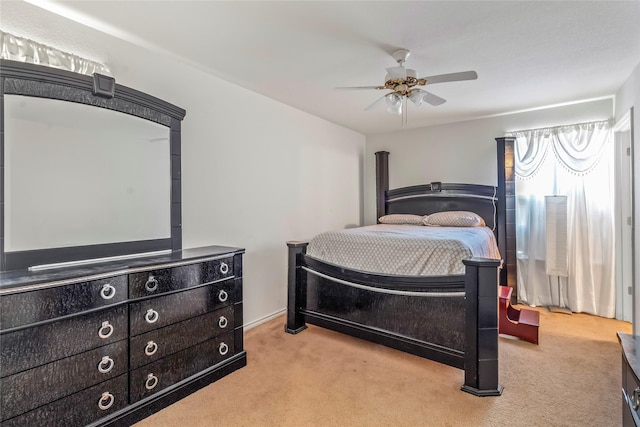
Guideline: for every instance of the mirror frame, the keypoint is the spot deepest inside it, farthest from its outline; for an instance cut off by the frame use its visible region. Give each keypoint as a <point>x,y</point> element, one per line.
<point>17,78</point>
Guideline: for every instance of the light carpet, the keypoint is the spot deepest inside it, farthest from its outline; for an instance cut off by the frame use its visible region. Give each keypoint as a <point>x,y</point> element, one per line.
<point>324,378</point>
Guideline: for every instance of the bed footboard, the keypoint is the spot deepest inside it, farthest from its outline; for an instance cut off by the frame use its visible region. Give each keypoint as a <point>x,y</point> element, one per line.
<point>448,319</point>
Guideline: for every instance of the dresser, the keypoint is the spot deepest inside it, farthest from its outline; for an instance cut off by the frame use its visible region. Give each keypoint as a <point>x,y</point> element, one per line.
<point>111,343</point>
<point>630,384</point>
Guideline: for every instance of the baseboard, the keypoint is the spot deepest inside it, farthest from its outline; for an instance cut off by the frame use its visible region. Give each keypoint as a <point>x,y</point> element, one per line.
<point>264,319</point>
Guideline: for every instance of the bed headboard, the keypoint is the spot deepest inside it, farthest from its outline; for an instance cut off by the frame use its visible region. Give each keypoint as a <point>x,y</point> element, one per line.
<point>436,197</point>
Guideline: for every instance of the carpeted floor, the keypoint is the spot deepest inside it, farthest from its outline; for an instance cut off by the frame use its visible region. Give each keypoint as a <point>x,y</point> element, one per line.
<point>323,378</point>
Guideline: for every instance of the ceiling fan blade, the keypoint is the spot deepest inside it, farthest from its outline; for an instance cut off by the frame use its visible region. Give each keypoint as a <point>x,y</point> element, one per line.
<point>375,103</point>
<point>432,99</point>
<point>358,87</point>
<point>451,77</point>
<point>396,73</point>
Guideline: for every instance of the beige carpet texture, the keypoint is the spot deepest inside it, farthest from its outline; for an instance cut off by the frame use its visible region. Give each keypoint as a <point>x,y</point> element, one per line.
<point>324,378</point>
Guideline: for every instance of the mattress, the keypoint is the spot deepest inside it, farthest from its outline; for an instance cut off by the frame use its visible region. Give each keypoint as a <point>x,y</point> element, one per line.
<point>408,250</point>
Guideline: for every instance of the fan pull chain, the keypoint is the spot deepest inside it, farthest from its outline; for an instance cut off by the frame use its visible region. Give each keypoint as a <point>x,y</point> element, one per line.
<point>404,113</point>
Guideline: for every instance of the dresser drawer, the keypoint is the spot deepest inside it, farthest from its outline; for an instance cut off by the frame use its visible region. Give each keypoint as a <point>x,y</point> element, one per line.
<point>630,396</point>
<point>153,345</point>
<point>24,308</point>
<point>27,390</point>
<point>165,372</point>
<point>78,409</point>
<point>30,347</point>
<point>159,281</point>
<point>154,313</point>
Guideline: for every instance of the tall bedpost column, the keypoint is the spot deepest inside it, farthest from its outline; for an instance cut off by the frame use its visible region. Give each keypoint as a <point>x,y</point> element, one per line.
<point>382,181</point>
<point>481,327</point>
<point>506,212</point>
<point>295,288</point>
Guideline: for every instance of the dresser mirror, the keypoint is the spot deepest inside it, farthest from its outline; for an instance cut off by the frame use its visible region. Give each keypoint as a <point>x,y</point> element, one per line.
<point>68,185</point>
<point>85,176</point>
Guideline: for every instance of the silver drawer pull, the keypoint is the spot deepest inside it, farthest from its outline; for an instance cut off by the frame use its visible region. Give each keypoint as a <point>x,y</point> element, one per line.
<point>151,348</point>
<point>223,322</point>
<point>151,382</point>
<point>105,330</point>
<point>222,295</point>
<point>223,349</point>
<point>152,284</point>
<point>635,399</point>
<point>224,268</point>
<point>151,316</point>
<point>105,365</point>
<point>107,291</point>
<point>106,401</point>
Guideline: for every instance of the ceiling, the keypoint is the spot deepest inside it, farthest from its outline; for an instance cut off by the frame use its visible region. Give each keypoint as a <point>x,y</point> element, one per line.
<point>528,54</point>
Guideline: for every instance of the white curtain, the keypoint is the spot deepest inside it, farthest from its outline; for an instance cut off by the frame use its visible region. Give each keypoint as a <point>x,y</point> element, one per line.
<point>24,50</point>
<point>575,161</point>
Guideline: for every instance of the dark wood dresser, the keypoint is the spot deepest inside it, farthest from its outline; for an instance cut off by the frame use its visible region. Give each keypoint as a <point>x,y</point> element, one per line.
<point>111,343</point>
<point>630,382</point>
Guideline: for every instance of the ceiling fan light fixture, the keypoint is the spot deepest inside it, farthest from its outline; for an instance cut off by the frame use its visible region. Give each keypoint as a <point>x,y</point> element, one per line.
<point>394,103</point>
<point>402,82</point>
<point>395,110</point>
<point>417,97</point>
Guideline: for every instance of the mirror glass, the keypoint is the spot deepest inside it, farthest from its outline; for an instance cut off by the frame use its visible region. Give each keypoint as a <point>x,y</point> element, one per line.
<point>67,182</point>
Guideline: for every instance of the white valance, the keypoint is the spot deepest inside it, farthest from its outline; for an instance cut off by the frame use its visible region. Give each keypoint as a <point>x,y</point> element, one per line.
<point>577,147</point>
<point>24,50</point>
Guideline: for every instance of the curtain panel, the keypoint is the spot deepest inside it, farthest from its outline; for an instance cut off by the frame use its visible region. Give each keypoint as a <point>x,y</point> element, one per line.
<point>575,161</point>
<point>24,50</point>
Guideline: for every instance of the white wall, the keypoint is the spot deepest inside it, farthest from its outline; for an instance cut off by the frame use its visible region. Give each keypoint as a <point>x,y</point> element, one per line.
<point>629,96</point>
<point>255,173</point>
<point>463,152</point>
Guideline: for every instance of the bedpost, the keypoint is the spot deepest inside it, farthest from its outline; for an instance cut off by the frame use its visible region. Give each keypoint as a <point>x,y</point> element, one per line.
<point>295,294</point>
<point>506,213</point>
<point>481,330</point>
<point>382,182</point>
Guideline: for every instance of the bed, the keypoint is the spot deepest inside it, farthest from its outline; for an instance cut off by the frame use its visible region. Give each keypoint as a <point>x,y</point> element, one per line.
<point>404,247</point>
<point>444,311</point>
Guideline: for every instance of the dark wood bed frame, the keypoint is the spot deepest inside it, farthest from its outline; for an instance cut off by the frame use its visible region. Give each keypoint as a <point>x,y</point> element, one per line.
<point>448,319</point>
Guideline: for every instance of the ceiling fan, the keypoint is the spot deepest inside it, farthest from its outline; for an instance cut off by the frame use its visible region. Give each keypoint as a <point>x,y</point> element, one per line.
<point>403,82</point>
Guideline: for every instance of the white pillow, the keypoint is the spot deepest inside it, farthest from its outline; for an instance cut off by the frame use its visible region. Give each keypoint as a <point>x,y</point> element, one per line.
<point>401,219</point>
<point>454,219</point>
